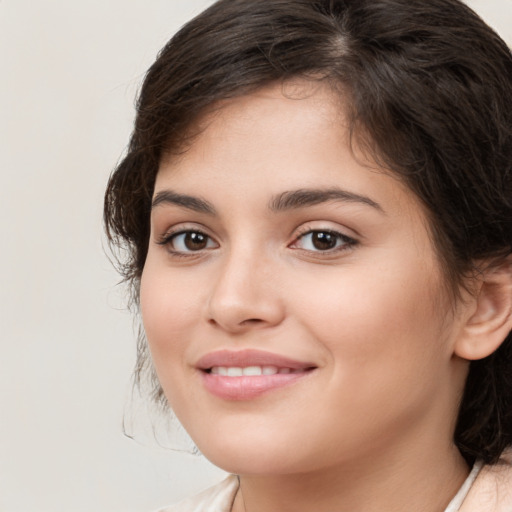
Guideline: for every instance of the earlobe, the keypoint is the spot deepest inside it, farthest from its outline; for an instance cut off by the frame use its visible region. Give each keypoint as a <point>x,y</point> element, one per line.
<point>490,320</point>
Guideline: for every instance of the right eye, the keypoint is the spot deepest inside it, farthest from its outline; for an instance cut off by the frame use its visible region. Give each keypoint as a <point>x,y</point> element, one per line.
<point>188,242</point>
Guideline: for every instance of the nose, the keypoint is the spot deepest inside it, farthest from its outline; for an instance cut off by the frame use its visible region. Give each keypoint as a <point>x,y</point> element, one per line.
<point>246,295</point>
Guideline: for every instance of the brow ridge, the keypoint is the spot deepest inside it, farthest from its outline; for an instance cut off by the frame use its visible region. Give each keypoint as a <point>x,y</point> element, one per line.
<point>190,202</point>
<point>301,198</point>
<point>285,201</point>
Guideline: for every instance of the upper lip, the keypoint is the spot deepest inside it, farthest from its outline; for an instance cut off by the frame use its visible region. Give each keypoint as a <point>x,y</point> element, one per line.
<point>249,357</point>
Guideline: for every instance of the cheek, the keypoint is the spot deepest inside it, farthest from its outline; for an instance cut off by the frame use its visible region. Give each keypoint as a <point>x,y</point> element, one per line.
<point>384,343</point>
<point>170,311</point>
<point>381,325</point>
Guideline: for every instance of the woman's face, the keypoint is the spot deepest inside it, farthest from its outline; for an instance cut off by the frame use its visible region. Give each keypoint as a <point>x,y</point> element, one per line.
<point>292,299</point>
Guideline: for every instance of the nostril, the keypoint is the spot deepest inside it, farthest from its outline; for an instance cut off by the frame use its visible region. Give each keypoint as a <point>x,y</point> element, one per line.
<point>251,321</point>
<point>236,325</point>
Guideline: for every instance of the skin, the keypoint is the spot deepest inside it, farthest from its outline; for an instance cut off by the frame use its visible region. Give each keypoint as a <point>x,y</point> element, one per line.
<point>371,428</point>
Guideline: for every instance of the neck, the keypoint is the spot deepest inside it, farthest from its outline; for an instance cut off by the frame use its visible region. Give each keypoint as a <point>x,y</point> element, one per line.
<point>424,481</point>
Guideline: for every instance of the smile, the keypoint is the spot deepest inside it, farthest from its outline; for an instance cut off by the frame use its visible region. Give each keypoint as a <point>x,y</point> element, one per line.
<point>248,374</point>
<point>236,371</point>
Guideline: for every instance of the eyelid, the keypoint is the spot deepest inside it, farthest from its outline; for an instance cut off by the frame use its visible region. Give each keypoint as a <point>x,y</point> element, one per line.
<point>181,229</point>
<point>348,241</point>
<point>330,227</point>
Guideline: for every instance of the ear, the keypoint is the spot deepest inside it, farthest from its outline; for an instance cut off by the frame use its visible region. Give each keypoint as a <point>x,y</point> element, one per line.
<point>490,313</point>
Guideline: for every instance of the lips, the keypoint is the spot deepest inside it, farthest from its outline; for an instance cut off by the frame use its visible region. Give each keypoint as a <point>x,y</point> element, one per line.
<point>247,374</point>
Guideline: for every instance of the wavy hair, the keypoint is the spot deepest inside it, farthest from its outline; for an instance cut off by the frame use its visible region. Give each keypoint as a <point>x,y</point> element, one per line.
<point>429,88</point>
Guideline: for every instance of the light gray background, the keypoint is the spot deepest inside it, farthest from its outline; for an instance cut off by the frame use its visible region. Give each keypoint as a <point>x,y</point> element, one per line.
<point>69,73</point>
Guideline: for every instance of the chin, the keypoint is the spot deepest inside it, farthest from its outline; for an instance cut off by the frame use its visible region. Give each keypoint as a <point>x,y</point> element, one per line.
<point>251,453</point>
<point>240,463</point>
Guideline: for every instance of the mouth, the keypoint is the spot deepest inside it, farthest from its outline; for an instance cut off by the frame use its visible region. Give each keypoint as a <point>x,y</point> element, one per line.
<point>247,374</point>
<point>237,371</point>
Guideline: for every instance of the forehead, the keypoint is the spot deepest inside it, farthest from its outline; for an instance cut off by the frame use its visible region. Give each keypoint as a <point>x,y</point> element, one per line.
<point>287,135</point>
<point>263,124</point>
<point>301,101</point>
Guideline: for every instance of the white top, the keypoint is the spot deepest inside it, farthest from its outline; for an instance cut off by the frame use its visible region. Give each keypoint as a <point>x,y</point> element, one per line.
<point>486,489</point>
<point>455,504</point>
<point>218,498</point>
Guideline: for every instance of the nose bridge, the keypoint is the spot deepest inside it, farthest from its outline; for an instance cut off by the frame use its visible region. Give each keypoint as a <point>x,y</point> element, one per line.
<point>245,294</point>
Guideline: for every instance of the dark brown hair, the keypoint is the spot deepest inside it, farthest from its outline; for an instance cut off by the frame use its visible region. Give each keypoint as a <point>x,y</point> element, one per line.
<point>429,88</point>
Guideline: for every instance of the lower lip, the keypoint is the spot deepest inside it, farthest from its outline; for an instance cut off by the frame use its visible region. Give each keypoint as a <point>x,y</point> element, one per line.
<point>248,387</point>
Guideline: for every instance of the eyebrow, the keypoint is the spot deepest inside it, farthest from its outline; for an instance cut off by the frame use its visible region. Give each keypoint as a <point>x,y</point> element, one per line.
<point>302,198</point>
<point>289,200</point>
<point>191,203</point>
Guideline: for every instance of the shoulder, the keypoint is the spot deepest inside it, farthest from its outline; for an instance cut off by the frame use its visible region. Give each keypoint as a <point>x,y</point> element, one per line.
<point>492,489</point>
<point>218,498</point>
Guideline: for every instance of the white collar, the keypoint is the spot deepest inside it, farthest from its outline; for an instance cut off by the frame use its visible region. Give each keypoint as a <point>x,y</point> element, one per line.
<point>457,500</point>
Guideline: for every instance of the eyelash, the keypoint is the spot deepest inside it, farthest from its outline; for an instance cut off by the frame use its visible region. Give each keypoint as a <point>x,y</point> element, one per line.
<point>343,242</point>
<point>168,238</point>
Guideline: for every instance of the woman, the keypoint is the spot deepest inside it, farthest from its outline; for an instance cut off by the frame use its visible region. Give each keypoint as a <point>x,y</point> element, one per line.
<point>317,207</point>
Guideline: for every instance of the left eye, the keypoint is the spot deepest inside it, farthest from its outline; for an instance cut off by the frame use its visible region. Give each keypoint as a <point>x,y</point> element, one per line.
<point>323,241</point>
<point>190,241</point>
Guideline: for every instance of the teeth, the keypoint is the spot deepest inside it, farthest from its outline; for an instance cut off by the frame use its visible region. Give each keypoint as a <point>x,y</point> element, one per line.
<point>252,370</point>
<point>235,371</point>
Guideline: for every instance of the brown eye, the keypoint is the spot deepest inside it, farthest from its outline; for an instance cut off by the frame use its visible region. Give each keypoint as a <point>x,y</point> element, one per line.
<point>323,241</point>
<point>191,241</point>
<point>195,241</point>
